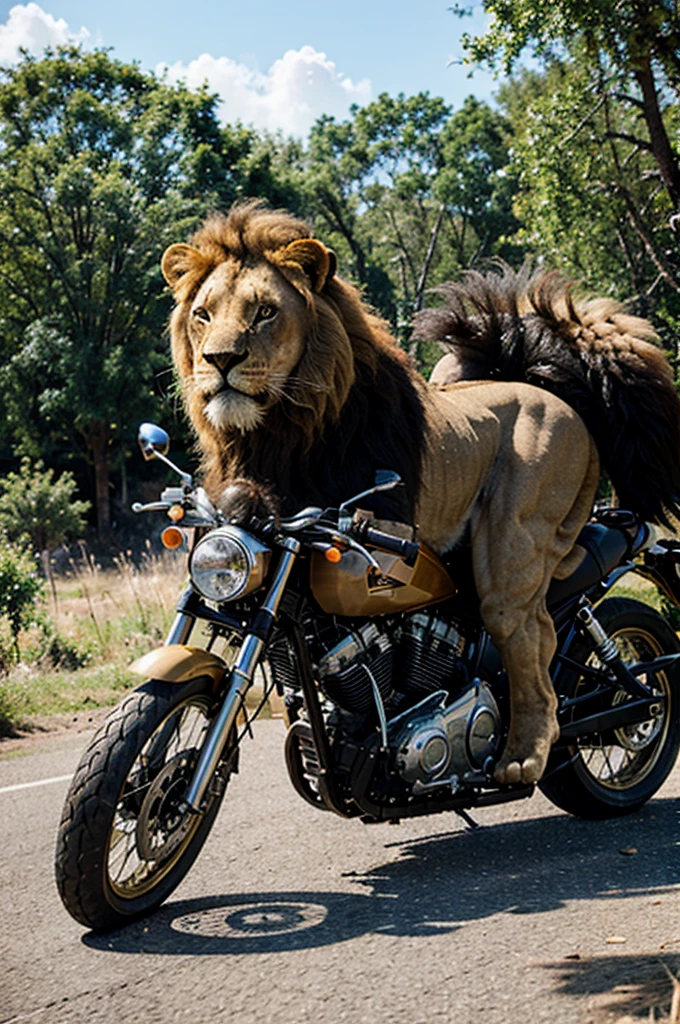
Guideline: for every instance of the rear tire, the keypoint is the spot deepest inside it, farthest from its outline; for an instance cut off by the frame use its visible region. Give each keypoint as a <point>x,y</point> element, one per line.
<point>124,843</point>
<point>608,776</point>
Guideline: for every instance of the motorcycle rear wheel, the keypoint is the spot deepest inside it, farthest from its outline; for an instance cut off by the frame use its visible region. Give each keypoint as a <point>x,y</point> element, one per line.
<point>605,776</point>
<point>125,842</point>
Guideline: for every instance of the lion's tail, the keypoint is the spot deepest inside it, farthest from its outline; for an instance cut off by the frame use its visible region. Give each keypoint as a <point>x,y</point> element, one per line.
<point>508,325</point>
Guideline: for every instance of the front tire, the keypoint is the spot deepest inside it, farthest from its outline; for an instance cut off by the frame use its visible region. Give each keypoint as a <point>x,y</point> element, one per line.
<point>605,776</point>
<point>125,842</point>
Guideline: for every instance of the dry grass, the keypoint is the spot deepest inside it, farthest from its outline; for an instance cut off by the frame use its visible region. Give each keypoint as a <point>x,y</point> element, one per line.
<point>119,612</point>
<point>102,620</point>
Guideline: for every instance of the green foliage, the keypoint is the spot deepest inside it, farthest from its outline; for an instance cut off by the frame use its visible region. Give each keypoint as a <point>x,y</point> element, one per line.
<point>586,201</point>
<point>52,649</point>
<point>36,507</point>
<point>598,172</point>
<point>671,612</point>
<point>20,590</point>
<point>626,30</point>
<point>101,167</point>
<point>409,193</point>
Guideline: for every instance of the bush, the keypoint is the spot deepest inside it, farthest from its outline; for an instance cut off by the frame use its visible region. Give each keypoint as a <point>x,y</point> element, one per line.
<point>36,508</point>
<point>20,590</point>
<point>53,650</point>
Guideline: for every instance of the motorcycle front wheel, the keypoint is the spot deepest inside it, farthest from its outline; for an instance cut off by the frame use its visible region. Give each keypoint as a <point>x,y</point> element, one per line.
<point>126,840</point>
<point>607,775</point>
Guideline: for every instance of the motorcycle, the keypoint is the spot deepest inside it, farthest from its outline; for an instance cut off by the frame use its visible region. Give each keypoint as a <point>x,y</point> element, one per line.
<point>396,702</point>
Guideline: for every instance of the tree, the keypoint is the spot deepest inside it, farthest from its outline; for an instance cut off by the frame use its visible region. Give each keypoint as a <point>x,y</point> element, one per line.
<point>627,42</point>
<point>599,175</point>
<point>476,183</point>
<point>101,166</point>
<point>410,193</point>
<point>20,589</point>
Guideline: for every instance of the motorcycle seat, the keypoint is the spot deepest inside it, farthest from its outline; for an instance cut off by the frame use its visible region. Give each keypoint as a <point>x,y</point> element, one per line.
<point>605,547</point>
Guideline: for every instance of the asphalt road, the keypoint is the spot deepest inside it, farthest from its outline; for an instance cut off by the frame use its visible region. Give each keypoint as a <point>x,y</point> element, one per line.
<point>291,915</point>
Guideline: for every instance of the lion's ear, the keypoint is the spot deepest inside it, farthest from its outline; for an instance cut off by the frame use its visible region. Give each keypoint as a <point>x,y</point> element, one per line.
<point>313,259</point>
<point>178,260</point>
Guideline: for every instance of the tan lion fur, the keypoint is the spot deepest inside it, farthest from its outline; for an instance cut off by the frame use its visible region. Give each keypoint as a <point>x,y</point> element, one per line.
<point>509,462</point>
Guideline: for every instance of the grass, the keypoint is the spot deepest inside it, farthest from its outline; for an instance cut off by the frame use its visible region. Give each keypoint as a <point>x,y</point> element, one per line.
<point>100,620</point>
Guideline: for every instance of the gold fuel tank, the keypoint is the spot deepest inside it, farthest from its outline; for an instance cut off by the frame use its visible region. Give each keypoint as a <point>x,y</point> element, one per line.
<point>352,587</point>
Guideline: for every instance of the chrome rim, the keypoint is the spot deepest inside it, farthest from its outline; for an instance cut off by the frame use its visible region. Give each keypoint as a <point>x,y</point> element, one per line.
<point>150,829</point>
<point>627,756</point>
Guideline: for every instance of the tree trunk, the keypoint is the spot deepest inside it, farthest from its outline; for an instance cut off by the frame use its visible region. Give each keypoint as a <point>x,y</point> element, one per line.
<point>420,290</point>
<point>97,438</point>
<point>661,146</point>
<point>422,280</point>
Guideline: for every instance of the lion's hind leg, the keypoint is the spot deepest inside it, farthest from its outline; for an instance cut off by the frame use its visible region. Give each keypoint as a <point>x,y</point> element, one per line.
<point>529,527</point>
<point>513,609</point>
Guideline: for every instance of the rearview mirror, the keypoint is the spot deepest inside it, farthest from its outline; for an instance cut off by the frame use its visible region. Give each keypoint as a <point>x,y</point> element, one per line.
<point>153,441</point>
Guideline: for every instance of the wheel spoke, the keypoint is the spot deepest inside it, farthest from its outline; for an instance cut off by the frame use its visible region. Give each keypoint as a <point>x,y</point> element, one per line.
<point>623,764</point>
<point>165,763</point>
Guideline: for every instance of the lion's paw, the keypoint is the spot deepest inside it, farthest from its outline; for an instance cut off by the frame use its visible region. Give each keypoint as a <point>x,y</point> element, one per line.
<point>512,772</point>
<point>244,499</point>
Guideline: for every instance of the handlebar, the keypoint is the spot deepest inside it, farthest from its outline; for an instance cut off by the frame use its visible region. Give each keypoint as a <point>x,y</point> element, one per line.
<point>152,506</point>
<point>406,549</point>
<point>199,510</point>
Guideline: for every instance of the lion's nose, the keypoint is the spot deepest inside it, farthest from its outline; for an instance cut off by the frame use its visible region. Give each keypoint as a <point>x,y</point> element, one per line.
<point>225,361</point>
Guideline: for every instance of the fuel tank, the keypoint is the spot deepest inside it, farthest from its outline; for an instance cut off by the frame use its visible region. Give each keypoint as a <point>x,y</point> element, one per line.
<point>352,587</point>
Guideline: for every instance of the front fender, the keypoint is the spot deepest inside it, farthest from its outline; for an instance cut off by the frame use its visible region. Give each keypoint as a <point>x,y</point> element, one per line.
<point>177,663</point>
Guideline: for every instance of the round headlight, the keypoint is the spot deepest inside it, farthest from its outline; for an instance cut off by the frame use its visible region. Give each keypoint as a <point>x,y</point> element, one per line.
<point>227,563</point>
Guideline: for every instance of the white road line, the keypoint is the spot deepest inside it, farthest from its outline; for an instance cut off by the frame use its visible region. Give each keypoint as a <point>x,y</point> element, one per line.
<point>30,785</point>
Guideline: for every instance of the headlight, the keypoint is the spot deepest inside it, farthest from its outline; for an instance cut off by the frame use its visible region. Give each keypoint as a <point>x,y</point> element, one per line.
<point>228,563</point>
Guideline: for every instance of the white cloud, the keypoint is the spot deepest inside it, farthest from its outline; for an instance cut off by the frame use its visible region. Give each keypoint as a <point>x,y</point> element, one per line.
<point>296,90</point>
<point>30,27</point>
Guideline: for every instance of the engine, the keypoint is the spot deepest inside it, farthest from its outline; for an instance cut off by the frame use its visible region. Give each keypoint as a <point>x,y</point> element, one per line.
<point>413,674</point>
<point>437,743</point>
<point>407,660</point>
<point>419,656</point>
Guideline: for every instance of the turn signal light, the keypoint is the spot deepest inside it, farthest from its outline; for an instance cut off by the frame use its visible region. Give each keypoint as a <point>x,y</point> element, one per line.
<point>332,555</point>
<point>172,538</point>
<point>175,512</point>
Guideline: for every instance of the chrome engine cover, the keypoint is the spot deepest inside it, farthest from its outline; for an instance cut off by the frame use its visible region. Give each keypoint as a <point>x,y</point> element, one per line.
<point>435,745</point>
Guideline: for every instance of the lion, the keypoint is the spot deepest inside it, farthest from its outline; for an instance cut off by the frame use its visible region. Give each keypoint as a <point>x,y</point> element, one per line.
<point>298,392</point>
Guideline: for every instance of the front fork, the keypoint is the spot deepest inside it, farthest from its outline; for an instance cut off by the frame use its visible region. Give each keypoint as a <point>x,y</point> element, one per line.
<point>240,678</point>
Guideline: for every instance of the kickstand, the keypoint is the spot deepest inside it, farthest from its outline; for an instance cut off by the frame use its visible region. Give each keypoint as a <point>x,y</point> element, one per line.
<point>470,822</point>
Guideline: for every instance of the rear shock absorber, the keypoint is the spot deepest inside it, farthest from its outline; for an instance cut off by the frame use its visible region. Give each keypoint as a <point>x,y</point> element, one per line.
<point>608,653</point>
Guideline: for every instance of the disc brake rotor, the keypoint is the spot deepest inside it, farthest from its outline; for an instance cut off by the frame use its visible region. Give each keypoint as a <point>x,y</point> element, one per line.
<point>161,825</point>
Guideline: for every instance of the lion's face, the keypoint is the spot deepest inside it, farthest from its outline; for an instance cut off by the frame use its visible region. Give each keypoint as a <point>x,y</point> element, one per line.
<point>247,328</point>
<point>239,332</point>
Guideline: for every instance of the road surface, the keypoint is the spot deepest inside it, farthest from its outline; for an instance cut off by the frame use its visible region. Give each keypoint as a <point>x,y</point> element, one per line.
<point>291,915</point>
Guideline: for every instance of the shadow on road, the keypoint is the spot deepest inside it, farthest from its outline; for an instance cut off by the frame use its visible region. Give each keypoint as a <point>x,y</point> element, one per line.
<point>625,986</point>
<point>431,886</point>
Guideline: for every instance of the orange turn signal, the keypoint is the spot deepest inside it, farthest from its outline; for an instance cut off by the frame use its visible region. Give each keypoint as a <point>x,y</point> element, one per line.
<point>332,555</point>
<point>172,538</point>
<point>175,512</point>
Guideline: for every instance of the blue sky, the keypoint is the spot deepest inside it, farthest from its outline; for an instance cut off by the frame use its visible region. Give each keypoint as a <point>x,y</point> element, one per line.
<point>275,64</point>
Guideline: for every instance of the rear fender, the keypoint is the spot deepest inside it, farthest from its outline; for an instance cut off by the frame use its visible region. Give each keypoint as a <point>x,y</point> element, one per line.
<point>177,663</point>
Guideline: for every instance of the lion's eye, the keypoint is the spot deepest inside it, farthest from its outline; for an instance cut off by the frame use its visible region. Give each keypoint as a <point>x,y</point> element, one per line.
<point>202,314</point>
<point>265,312</point>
